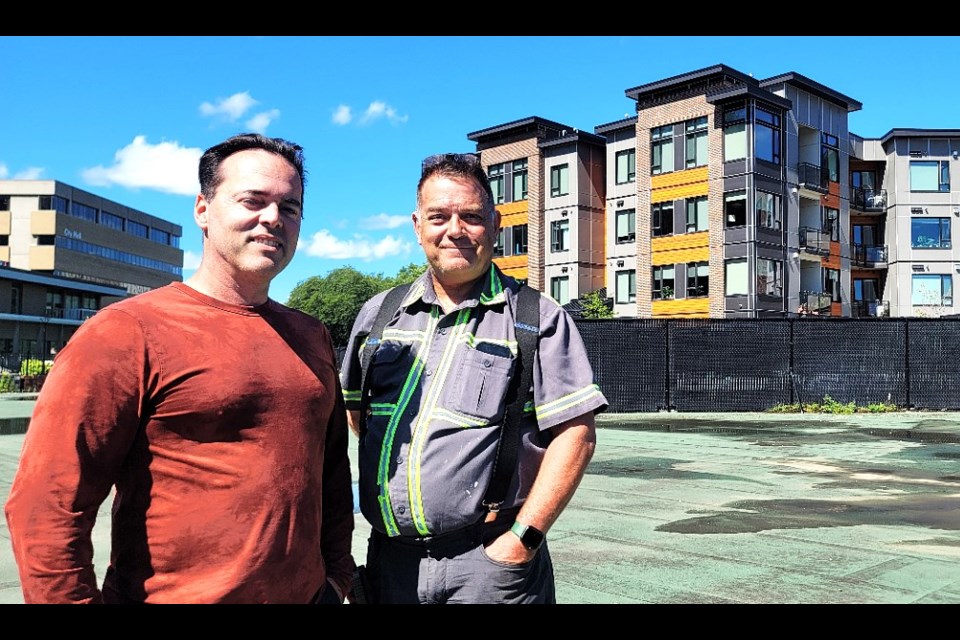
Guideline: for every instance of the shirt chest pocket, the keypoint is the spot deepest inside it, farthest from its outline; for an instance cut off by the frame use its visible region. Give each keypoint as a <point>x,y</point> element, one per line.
<point>480,385</point>
<point>391,365</point>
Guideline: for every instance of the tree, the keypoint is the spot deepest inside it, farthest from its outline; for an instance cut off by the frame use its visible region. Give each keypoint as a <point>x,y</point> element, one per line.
<point>336,299</point>
<point>595,307</point>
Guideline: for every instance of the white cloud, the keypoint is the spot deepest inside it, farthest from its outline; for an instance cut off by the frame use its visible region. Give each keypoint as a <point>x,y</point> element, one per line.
<point>323,244</point>
<point>191,260</point>
<point>379,109</point>
<point>3,171</point>
<point>384,221</point>
<point>30,173</point>
<point>342,115</point>
<point>231,109</point>
<point>261,121</point>
<point>166,167</point>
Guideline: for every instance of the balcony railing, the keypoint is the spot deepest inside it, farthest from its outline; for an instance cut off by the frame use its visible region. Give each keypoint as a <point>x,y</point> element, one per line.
<point>79,314</point>
<point>868,199</point>
<point>869,256</point>
<point>870,308</point>
<point>815,241</point>
<point>817,302</point>
<point>810,177</point>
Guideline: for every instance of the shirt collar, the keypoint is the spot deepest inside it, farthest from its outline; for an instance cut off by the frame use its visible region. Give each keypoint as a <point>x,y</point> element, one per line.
<point>487,290</point>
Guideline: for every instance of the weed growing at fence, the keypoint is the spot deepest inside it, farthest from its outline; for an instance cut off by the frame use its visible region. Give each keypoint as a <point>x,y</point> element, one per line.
<point>829,405</point>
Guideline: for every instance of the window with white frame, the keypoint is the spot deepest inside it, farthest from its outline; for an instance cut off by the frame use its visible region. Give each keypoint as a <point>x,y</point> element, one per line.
<point>929,175</point>
<point>664,282</point>
<point>768,210</point>
<point>626,164</point>
<point>735,133</point>
<point>560,235</point>
<point>697,218</point>
<point>735,279</point>
<point>932,289</point>
<point>661,223</point>
<point>560,289</point>
<point>769,277</point>
<point>735,208</point>
<point>766,133</point>
<point>626,226</point>
<point>495,174</point>
<point>698,279</point>
<point>559,180</point>
<point>661,149</point>
<point>626,286</point>
<point>696,134</point>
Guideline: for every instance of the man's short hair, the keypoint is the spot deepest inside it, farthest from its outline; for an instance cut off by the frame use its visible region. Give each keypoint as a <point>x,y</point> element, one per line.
<point>461,165</point>
<point>212,158</point>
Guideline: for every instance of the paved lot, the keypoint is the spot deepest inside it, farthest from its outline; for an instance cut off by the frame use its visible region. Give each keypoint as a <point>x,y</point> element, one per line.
<point>729,508</point>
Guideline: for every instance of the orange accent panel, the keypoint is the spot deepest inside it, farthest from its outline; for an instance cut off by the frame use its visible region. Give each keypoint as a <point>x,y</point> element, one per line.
<point>832,261</point>
<point>681,241</point>
<point>509,208</point>
<point>678,185</point>
<point>520,273</point>
<point>513,219</point>
<point>686,308</point>
<point>511,262</point>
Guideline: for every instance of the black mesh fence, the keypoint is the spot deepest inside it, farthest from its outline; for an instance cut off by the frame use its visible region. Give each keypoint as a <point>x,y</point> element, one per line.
<point>755,365</point>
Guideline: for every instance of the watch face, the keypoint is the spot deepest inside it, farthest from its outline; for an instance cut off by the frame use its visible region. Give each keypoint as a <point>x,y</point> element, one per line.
<point>530,537</point>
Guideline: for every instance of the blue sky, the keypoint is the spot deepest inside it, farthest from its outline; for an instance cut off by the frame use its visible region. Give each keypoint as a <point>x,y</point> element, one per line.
<point>127,118</point>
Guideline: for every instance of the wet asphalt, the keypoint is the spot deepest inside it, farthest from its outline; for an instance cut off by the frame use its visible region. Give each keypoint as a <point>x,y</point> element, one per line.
<point>724,508</point>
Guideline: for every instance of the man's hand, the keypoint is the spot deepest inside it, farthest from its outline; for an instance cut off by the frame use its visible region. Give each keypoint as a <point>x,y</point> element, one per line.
<point>507,549</point>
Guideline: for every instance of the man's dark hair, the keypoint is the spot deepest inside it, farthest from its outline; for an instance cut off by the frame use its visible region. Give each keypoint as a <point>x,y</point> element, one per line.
<point>210,176</point>
<point>462,165</point>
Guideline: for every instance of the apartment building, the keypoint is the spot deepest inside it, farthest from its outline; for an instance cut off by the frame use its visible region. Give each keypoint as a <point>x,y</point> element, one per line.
<point>65,253</point>
<point>727,196</point>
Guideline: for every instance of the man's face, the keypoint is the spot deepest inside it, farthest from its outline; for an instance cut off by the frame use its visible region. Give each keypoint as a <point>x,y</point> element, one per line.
<point>455,228</point>
<point>252,223</point>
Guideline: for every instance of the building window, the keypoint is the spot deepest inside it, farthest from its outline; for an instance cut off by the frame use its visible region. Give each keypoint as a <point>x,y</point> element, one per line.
<point>158,235</point>
<point>137,229</point>
<point>560,180</point>
<point>830,223</point>
<point>519,180</point>
<point>662,219</point>
<point>698,279</point>
<point>831,283</point>
<point>626,286</point>
<point>498,244</point>
<point>696,142</point>
<point>560,289</point>
<point>519,239</point>
<point>866,289</point>
<point>829,158</point>
<point>735,133</point>
<point>661,149</point>
<point>768,210</point>
<point>663,282</point>
<point>697,214</point>
<point>932,289</point>
<point>53,203</point>
<point>929,175</point>
<point>736,277</point>
<point>626,226</point>
<point>769,277</point>
<point>83,211</point>
<point>930,233</point>
<point>626,166</point>
<point>16,298</point>
<point>4,203</point>
<point>863,180</point>
<point>110,220</point>
<point>735,208</point>
<point>495,175</point>
<point>559,235</point>
<point>766,132</point>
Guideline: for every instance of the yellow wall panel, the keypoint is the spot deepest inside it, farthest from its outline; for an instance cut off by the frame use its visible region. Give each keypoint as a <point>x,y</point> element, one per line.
<point>686,308</point>
<point>681,241</point>
<point>510,208</point>
<point>513,219</point>
<point>511,262</point>
<point>4,223</point>
<point>678,185</point>
<point>680,256</point>
<point>520,273</point>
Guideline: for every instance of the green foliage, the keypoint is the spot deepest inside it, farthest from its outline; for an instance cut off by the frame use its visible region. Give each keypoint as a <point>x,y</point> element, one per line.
<point>7,383</point>
<point>34,367</point>
<point>829,405</point>
<point>595,307</point>
<point>336,299</point>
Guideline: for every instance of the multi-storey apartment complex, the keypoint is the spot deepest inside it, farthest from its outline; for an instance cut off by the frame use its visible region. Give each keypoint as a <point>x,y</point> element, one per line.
<point>65,253</point>
<point>728,196</point>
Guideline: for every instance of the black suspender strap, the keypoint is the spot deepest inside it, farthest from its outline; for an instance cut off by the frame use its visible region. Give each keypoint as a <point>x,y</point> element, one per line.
<point>527,323</point>
<point>388,308</point>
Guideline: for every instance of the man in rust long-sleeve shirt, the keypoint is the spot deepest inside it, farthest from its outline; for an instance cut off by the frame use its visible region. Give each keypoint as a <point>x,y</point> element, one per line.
<point>215,413</point>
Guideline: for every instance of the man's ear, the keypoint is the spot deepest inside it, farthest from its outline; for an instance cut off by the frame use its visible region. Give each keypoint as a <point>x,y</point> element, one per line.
<point>200,212</point>
<point>416,225</point>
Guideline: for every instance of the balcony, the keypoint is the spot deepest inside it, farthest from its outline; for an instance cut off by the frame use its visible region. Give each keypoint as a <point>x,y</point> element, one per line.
<point>810,177</point>
<point>871,257</point>
<point>78,314</point>
<point>870,308</point>
<point>815,303</point>
<point>815,241</point>
<point>868,200</point>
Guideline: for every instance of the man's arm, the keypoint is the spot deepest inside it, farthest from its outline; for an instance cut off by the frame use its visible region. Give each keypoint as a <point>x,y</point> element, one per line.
<point>563,466</point>
<point>82,427</point>
<point>337,531</point>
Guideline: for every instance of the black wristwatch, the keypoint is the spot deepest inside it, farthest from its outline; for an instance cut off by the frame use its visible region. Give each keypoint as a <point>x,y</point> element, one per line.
<point>530,537</point>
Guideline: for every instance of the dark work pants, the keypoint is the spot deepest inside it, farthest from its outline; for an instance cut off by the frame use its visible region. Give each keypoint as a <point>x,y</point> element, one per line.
<point>455,569</point>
